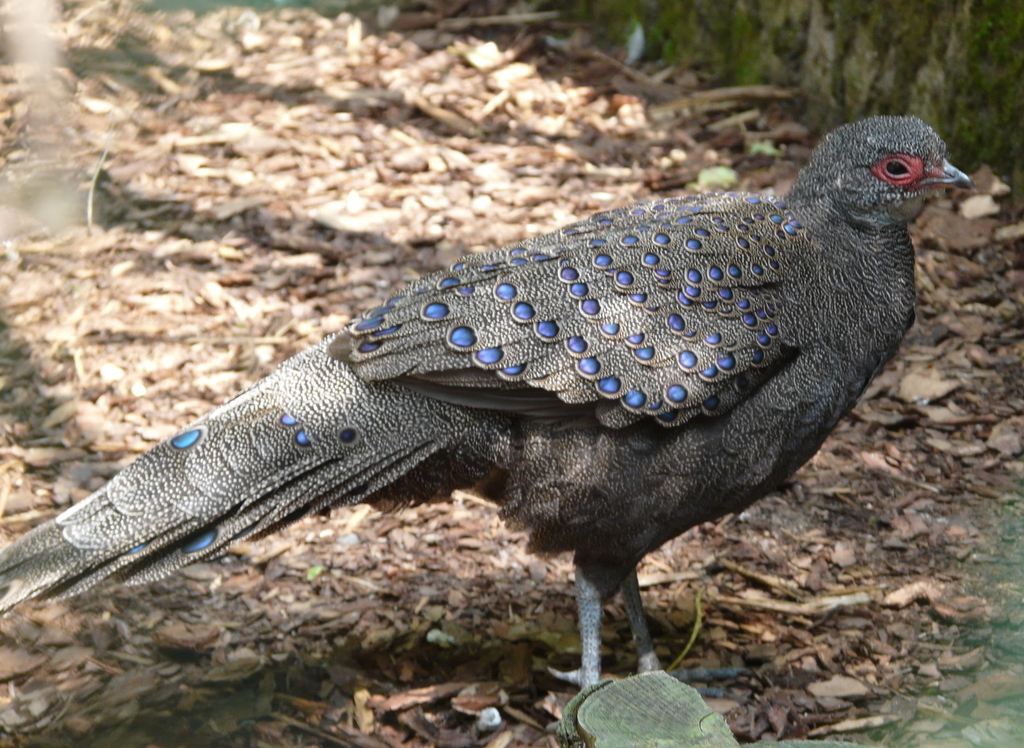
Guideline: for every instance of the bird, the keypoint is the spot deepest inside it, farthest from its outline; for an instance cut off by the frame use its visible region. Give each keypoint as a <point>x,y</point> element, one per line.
<point>609,385</point>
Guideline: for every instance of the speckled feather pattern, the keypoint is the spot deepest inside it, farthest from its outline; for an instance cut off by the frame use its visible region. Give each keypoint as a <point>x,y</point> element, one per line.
<point>609,385</point>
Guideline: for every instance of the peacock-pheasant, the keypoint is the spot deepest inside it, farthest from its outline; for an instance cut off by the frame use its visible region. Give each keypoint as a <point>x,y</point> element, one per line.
<point>610,385</point>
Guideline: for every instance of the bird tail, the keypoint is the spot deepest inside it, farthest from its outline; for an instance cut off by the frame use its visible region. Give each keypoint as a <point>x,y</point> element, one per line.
<point>310,435</point>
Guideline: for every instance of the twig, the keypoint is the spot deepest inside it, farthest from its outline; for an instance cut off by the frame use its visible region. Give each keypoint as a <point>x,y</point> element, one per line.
<point>455,121</point>
<point>299,724</point>
<point>815,606</point>
<point>96,178</point>
<point>768,580</point>
<point>509,19</point>
<point>651,580</point>
<point>698,619</point>
<point>716,96</point>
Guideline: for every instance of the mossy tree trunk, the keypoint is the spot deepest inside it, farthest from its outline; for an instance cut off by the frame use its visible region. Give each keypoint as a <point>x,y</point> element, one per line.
<point>958,64</point>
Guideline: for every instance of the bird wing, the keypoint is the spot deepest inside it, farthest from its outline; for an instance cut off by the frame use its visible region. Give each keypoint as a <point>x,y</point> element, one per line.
<point>664,309</point>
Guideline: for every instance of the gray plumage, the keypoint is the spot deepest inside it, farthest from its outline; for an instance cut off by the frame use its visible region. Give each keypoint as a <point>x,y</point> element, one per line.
<point>610,385</point>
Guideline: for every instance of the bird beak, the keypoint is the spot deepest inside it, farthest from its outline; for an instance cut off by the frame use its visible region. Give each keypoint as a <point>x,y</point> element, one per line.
<point>949,176</point>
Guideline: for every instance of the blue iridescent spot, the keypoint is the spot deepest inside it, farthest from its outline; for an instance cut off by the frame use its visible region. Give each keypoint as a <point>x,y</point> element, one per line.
<point>609,385</point>
<point>772,329</point>
<point>749,319</point>
<point>368,347</point>
<point>603,261</point>
<point>387,331</point>
<point>743,243</point>
<point>693,244</point>
<point>369,324</point>
<point>456,267</point>
<point>624,278</point>
<point>753,200</point>
<point>467,290</point>
<point>685,219</point>
<point>348,435</point>
<point>676,393</point>
<point>775,218</point>
<point>691,291</point>
<point>644,354</point>
<point>610,328</point>
<point>630,239</point>
<point>590,306</point>
<point>604,221</point>
<point>757,217</point>
<point>638,298</point>
<point>186,440</point>
<point>448,283</point>
<point>462,337</point>
<point>734,272</point>
<point>579,290</point>
<point>662,273</point>
<point>489,355</point>
<point>712,402</point>
<point>796,224</point>
<point>523,311</point>
<point>201,541</point>
<point>514,370</point>
<point>661,239</point>
<point>516,251</point>
<point>756,269</point>
<point>597,242</point>
<point>635,399</point>
<point>589,366</point>
<point>757,356</point>
<point>518,261</point>
<point>651,259</point>
<point>547,329</point>
<point>288,420</point>
<point>540,257</point>
<point>669,416</point>
<point>773,264</point>
<point>489,268</point>
<point>636,338</point>
<point>742,227</point>
<point>570,232</point>
<point>693,275</point>
<point>764,339</point>
<point>702,232</point>
<point>302,438</point>
<point>726,362</point>
<point>714,338</point>
<point>568,274</point>
<point>435,310</point>
<point>505,291</point>
<point>780,205</point>
<point>676,322</point>
<point>725,293</point>
<point>138,548</point>
<point>576,344</point>
<point>687,359</point>
<point>711,372</point>
<point>709,304</point>
<point>769,250</point>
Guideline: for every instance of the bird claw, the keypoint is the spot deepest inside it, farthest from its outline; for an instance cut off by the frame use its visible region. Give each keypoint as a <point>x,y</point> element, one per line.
<point>573,677</point>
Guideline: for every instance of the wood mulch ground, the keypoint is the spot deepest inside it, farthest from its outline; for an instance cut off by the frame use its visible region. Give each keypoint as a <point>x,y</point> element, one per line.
<point>256,179</point>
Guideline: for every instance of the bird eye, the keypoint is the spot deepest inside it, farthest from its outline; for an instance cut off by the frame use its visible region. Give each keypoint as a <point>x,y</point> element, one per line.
<point>896,168</point>
<point>899,169</point>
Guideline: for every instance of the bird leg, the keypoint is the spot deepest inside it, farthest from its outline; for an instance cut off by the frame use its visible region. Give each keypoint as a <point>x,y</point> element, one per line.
<point>647,660</point>
<point>588,605</point>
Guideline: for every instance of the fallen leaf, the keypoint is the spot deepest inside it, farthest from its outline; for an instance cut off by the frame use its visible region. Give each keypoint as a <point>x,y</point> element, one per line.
<point>923,386</point>
<point>839,687</point>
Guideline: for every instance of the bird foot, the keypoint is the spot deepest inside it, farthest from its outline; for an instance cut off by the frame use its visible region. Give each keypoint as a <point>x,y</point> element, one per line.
<point>574,677</point>
<point>648,663</point>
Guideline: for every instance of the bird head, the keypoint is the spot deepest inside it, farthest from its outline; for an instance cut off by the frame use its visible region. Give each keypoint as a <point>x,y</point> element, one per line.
<point>877,170</point>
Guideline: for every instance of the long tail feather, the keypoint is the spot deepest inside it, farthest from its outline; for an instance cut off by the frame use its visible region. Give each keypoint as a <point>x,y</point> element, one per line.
<point>310,435</point>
